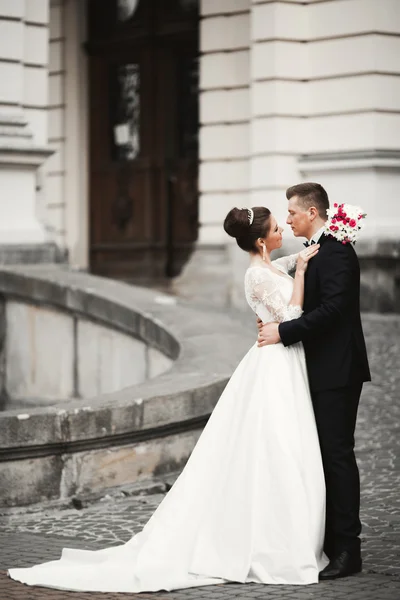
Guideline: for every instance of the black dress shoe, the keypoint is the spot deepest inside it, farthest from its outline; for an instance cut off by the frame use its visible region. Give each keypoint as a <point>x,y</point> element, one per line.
<point>341,566</point>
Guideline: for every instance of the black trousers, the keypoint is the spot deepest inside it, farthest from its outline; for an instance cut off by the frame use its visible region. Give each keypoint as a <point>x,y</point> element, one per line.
<point>336,414</point>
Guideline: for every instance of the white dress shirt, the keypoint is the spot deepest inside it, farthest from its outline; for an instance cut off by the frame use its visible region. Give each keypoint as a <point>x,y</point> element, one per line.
<point>317,235</point>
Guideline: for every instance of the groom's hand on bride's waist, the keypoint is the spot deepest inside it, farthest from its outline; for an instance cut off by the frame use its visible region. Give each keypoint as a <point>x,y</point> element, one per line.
<point>268,334</point>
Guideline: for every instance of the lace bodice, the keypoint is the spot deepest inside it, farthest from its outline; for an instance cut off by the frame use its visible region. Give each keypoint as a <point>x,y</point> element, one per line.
<point>268,293</point>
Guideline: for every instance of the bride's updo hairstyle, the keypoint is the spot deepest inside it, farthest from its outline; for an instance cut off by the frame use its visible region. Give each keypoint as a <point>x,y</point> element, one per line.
<point>237,224</point>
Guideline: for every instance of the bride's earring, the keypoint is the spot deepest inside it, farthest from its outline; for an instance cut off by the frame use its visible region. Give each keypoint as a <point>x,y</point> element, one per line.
<point>264,256</point>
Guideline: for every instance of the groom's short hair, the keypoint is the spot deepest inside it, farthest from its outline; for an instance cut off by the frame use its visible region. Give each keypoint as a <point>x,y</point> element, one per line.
<point>310,194</point>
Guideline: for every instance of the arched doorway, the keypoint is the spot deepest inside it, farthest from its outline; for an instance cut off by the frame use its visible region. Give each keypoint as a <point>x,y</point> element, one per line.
<point>143,68</point>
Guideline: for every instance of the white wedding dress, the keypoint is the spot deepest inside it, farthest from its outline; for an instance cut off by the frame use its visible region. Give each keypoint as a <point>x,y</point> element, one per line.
<point>250,504</point>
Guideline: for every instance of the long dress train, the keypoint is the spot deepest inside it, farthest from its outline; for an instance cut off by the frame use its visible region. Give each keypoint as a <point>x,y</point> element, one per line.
<point>250,504</point>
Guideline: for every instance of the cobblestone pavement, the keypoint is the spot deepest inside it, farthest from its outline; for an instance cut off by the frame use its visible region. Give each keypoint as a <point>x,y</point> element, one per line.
<point>36,535</point>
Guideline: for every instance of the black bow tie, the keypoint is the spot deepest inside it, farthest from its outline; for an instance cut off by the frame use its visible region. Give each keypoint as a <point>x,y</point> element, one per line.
<point>306,244</point>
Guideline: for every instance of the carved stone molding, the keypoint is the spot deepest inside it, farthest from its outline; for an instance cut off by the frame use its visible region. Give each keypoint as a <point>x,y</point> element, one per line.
<point>17,145</point>
<point>358,159</point>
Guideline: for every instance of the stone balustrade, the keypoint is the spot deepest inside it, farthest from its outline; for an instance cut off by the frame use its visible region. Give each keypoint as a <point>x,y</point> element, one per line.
<point>100,430</point>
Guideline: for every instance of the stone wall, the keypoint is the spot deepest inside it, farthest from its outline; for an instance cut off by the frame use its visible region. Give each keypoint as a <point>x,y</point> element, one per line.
<point>51,355</point>
<point>23,119</point>
<point>23,62</point>
<point>43,132</point>
<point>290,92</point>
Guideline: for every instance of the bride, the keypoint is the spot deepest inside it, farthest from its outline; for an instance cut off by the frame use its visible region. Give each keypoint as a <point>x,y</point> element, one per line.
<point>250,504</point>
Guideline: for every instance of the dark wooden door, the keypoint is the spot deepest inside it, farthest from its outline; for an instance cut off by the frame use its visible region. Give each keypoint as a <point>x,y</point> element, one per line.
<point>143,137</point>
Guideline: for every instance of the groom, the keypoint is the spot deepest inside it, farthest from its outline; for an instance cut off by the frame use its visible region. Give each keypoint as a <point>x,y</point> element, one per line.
<point>337,364</point>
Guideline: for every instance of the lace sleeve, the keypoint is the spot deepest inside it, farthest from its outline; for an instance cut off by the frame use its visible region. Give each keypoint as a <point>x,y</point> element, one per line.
<point>263,288</point>
<point>286,263</point>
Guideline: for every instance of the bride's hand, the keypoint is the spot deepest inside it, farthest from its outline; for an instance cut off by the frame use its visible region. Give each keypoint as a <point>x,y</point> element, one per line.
<point>306,255</point>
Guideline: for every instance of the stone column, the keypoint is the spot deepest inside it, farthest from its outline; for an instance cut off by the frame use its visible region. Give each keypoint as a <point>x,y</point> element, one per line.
<point>224,143</point>
<point>23,121</point>
<point>76,144</point>
<point>278,102</point>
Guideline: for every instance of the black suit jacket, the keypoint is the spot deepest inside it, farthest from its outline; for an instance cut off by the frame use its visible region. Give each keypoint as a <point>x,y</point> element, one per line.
<point>330,327</point>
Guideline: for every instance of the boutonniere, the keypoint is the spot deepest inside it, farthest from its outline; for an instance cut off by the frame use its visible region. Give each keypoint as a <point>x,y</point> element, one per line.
<point>344,222</point>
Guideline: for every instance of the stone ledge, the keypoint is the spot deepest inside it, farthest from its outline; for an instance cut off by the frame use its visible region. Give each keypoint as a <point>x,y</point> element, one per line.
<point>11,254</point>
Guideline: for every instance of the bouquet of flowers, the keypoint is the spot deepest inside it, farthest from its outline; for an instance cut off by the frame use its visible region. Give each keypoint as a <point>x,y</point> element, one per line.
<point>344,222</point>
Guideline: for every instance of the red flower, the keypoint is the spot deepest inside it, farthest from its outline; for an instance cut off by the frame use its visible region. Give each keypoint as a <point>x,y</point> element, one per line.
<point>333,220</point>
<point>353,223</point>
<point>335,205</point>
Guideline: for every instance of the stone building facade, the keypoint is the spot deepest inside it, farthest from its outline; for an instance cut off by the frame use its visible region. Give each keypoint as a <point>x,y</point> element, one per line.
<point>229,103</point>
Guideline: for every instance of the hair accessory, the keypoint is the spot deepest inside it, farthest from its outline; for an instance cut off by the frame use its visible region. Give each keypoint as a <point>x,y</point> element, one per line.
<point>250,214</point>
